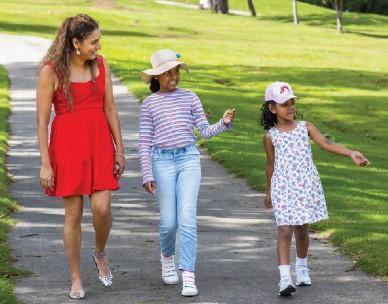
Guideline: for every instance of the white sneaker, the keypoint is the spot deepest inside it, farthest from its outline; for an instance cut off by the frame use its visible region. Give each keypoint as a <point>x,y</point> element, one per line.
<point>286,288</point>
<point>302,276</point>
<point>169,275</point>
<point>189,289</point>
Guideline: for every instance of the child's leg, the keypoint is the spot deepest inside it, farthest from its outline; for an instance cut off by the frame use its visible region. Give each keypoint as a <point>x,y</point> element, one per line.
<point>302,240</point>
<point>302,246</point>
<point>188,183</point>
<point>284,239</point>
<point>165,176</point>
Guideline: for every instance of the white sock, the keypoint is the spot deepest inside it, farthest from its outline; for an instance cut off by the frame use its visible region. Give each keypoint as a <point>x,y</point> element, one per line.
<point>301,262</point>
<point>284,271</point>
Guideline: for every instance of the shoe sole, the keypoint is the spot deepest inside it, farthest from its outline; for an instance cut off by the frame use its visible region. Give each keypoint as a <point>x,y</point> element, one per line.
<point>189,294</point>
<point>170,283</point>
<point>303,284</point>
<point>288,291</point>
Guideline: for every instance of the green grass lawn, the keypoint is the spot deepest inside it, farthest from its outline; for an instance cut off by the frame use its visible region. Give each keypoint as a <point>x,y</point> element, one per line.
<point>6,204</point>
<point>341,79</point>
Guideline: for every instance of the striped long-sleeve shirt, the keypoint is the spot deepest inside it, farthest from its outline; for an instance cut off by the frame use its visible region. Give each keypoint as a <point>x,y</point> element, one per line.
<point>167,120</point>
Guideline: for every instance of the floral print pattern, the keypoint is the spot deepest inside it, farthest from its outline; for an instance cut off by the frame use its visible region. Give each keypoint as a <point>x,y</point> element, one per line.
<point>296,189</point>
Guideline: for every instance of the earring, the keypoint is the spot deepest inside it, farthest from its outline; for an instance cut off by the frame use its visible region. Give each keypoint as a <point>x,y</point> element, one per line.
<point>78,52</point>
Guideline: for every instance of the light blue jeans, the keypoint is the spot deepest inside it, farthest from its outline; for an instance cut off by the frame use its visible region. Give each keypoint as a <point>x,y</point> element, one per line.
<point>177,174</point>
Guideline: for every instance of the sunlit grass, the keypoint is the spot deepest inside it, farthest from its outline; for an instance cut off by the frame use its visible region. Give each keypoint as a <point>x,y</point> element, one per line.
<point>7,272</point>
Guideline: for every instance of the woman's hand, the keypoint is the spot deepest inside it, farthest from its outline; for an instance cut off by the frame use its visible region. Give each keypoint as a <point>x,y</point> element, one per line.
<point>150,187</point>
<point>228,116</point>
<point>119,164</point>
<point>359,158</point>
<point>47,176</point>
<point>267,201</point>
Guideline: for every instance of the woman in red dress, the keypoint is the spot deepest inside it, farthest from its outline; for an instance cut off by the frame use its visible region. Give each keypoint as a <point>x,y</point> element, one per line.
<point>85,155</point>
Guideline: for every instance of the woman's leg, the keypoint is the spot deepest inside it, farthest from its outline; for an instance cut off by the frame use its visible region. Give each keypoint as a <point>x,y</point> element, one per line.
<point>100,204</point>
<point>72,237</point>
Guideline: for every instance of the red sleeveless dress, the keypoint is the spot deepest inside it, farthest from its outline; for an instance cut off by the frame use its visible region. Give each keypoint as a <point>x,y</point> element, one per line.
<point>81,146</point>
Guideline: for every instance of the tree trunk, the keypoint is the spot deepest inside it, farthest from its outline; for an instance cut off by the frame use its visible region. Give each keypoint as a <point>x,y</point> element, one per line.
<point>339,7</point>
<point>252,8</point>
<point>295,10</point>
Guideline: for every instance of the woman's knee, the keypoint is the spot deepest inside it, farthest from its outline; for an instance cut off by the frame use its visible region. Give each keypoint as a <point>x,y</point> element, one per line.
<point>73,217</point>
<point>102,212</point>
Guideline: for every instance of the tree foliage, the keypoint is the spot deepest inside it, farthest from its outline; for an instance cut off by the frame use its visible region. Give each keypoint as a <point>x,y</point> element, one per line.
<point>361,6</point>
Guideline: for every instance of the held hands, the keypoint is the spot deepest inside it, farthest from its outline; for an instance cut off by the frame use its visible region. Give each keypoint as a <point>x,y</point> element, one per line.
<point>150,187</point>
<point>47,176</point>
<point>267,201</point>
<point>119,164</point>
<point>359,159</point>
<point>228,116</point>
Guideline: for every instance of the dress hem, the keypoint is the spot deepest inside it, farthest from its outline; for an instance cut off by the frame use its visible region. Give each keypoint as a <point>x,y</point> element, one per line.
<point>306,222</point>
<point>83,193</point>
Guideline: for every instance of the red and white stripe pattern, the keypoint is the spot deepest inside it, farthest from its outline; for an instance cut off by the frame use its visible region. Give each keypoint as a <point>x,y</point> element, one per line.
<point>167,121</point>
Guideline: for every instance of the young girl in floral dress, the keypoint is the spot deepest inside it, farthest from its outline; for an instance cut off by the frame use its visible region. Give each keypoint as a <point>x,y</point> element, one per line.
<point>294,189</point>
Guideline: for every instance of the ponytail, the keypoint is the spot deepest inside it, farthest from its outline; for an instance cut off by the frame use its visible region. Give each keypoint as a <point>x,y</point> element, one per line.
<point>267,118</point>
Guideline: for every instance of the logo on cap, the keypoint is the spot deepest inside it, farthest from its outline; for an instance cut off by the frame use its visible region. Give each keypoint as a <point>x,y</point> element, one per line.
<point>282,88</point>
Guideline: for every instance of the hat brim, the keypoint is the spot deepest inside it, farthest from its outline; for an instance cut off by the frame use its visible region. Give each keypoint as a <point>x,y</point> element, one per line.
<point>283,99</point>
<point>147,75</point>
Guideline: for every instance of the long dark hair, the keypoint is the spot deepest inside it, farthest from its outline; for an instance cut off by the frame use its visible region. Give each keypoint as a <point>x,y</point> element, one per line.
<point>267,118</point>
<point>154,85</point>
<point>58,55</point>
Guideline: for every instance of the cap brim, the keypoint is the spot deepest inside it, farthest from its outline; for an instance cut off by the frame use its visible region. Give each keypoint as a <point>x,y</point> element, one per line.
<point>284,99</point>
<point>147,75</point>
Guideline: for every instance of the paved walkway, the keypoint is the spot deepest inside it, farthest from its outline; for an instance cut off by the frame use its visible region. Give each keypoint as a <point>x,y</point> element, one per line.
<point>236,248</point>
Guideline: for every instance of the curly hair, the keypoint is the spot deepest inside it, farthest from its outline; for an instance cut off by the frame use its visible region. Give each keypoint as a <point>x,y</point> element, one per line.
<point>58,55</point>
<point>267,118</point>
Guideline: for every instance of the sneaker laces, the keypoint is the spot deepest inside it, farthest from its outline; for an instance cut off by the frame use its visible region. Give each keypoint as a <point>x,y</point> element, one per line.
<point>188,279</point>
<point>168,265</point>
<point>302,269</point>
<point>285,280</point>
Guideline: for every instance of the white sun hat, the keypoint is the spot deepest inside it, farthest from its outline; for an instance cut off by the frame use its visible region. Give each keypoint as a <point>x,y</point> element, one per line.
<point>162,61</point>
<point>279,92</point>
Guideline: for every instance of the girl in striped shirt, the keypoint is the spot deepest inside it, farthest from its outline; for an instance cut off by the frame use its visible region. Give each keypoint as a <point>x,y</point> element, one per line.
<point>170,161</point>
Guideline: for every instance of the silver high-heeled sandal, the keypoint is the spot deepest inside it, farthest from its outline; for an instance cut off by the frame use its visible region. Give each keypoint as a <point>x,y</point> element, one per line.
<point>106,280</point>
<point>77,295</point>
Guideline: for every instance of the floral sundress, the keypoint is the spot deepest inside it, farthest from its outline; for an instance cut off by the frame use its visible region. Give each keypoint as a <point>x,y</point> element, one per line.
<point>296,189</point>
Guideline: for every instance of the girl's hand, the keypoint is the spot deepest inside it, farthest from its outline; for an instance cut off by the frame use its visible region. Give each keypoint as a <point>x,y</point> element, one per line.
<point>359,159</point>
<point>119,164</point>
<point>150,187</point>
<point>47,176</point>
<point>268,201</point>
<point>228,116</point>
